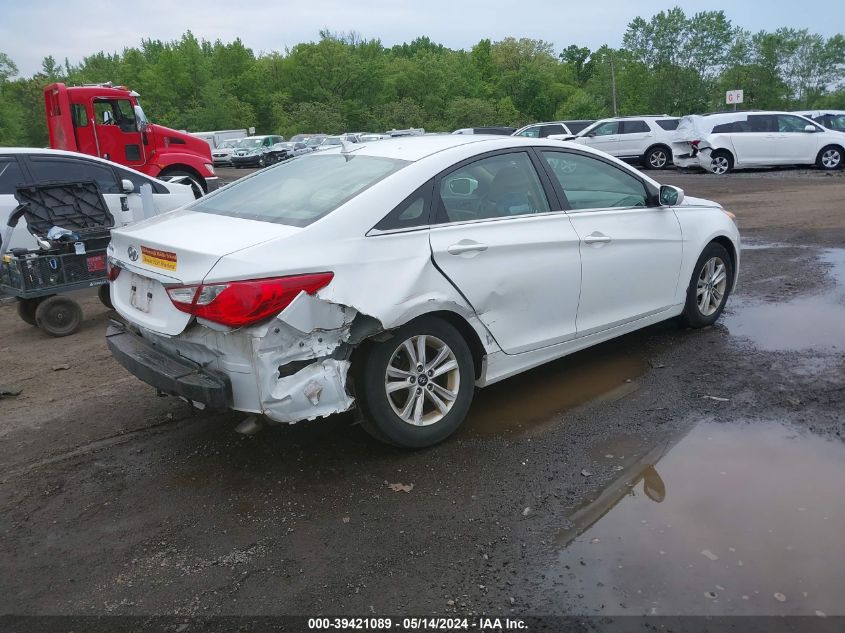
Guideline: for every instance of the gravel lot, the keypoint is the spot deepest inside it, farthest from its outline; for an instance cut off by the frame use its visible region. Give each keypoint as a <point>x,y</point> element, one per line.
<point>114,501</point>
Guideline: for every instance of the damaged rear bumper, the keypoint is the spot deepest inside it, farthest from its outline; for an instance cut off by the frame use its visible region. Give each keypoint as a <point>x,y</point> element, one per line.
<point>166,372</point>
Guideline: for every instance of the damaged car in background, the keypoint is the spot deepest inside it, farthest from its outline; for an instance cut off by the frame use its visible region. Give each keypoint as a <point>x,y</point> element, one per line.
<point>720,143</point>
<point>396,277</point>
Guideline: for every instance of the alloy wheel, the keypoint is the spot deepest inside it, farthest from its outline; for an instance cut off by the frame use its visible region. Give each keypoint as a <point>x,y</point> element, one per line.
<point>711,286</point>
<point>422,380</point>
<point>720,165</point>
<point>831,158</point>
<point>657,159</point>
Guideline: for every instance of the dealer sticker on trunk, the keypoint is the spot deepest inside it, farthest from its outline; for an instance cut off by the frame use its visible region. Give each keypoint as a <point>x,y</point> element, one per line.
<point>158,258</point>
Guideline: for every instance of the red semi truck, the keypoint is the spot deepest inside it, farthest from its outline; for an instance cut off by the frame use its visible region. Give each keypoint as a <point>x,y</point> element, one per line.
<point>107,121</point>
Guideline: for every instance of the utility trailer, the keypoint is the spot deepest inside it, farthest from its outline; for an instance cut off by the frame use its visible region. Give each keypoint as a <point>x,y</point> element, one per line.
<point>71,224</point>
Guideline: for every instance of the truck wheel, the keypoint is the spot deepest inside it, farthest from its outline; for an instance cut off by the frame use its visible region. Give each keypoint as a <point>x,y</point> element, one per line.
<point>27,308</point>
<point>197,184</point>
<point>58,316</point>
<point>104,295</point>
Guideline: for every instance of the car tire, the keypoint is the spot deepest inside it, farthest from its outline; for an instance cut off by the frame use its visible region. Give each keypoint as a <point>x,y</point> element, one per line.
<point>412,407</point>
<point>58,316</point>
<point>27,308</point>
<point>262,162</point>
<point>829,158</point>
<point>197,184</point>
<point>721,162</point>
<point>658,157</point>
<point>712,278</point>
<point>104,295</point>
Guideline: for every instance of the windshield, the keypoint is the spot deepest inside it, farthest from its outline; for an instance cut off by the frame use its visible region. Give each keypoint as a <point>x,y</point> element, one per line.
<point>299,191</point>
<point>331,141</point>
<point>229,143</point>
<point>313,142</point>
<point>251,142</point>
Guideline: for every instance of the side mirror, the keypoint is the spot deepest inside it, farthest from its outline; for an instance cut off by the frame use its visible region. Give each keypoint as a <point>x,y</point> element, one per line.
<point>810,128</point>
<point>108,118</point>
<point>558,137</point>
<point>463,186</point>
<point>127,185</point>
<point>671,196</point>
<point>590,134</point>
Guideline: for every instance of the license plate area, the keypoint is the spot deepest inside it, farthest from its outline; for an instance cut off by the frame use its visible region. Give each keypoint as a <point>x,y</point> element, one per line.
<point>141,293</point>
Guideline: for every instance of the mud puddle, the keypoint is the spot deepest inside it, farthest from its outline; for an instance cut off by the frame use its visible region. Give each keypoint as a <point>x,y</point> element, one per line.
<point>529,403</point>
<point>730,519</point>
<point>814,322</point>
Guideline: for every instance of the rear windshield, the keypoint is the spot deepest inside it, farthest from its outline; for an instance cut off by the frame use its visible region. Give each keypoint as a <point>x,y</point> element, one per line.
<point>299,191</point>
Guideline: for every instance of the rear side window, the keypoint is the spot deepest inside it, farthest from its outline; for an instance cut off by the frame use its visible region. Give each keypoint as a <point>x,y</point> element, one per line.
<point>79,115</point>
<point>763,122</point>
<point>669,124</point>
<point>300,191</point>
<point>412,213</point>
<point>635,127</point>
<point>10,175</point>
<point>548,130</point>
<point>59,169</point>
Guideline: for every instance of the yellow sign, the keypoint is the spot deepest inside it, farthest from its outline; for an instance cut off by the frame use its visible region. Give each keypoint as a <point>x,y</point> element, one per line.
<point>158,258</point>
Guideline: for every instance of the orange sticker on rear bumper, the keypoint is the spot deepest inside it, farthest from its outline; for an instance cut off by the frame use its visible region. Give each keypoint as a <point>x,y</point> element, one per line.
<point>158,258</point>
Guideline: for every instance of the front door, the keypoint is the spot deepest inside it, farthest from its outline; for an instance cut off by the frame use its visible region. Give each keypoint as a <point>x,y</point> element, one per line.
<point>630,252</point>
<point>501,243</point>
<point>116,131</point>
<point>604,137</point>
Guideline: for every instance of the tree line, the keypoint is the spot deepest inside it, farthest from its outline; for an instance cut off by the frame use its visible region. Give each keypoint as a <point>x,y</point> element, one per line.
<point>671,63</point>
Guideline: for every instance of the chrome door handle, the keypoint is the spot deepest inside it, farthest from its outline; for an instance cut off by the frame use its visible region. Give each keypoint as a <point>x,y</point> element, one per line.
<point>597,238</point>
<point>466,246</point>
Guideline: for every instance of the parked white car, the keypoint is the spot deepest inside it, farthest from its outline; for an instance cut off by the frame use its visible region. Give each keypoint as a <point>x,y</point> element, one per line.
<point>397,276</point>
<point>549,128</point>
<point>644,139</point>
<point>726,141</point>
<point>831,119</point>
<point>120,186</point>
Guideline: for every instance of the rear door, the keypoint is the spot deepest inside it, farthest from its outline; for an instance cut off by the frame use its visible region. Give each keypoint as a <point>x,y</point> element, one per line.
<point>46,168</point>
<point>11,176</point>
<point>509,249</point>
<point>630,252</point>
<point>759,144</point>
<point>634,138</point>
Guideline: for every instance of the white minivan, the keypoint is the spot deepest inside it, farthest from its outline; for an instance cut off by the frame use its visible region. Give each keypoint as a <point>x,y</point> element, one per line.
<point>733,140</point>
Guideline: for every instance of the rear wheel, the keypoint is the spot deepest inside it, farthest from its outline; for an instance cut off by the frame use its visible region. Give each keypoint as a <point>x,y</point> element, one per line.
<point>104,295</point>
<point>721,162</point>
<point>58,316</point>
<point>829,158</point>
<point>657,158</point>
<point>709,287</point>
<point>27,308</point>
<point>418,385</point>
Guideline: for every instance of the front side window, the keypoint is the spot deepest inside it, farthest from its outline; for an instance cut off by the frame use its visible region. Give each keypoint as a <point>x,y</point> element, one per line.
<point>10,175</point>
<point>605,129</point>
<point>789,123</point>
<point>555,128</point>
<point>590,183</point>
<point>299,191</point>
<point>138,180</point>
<point>500,186</point>
<point>532,132</point>
<point>836,122</point>
<point>54,169</point>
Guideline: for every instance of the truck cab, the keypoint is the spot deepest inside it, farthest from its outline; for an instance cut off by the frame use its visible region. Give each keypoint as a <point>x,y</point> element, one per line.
<point>107,121</point>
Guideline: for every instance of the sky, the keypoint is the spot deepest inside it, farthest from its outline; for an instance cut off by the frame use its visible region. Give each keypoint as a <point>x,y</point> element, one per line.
<point>33,29</point>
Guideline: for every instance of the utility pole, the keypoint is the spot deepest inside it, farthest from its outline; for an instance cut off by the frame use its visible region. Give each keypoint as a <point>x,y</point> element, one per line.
<point>613,85</point>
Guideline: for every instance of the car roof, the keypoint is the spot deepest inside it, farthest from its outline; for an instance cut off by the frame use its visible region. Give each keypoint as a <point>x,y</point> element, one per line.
<point>67,154</point>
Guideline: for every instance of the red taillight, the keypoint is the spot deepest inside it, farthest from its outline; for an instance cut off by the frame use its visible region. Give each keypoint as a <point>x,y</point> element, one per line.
<point>112,271</point>
<point>240,303</point>
<point>694,144</point>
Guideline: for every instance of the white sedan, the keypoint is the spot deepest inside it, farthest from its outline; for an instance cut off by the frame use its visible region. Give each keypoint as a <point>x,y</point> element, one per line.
<point>398,276</point>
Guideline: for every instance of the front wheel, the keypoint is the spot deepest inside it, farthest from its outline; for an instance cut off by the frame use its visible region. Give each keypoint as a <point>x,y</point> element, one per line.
<point>418,385</point>
<point>829,158</point>
<point>709,287</point>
